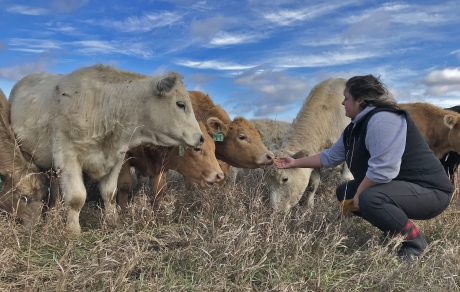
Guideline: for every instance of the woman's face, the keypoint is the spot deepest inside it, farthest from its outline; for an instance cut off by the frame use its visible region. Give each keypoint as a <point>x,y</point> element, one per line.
<point>351,105</point>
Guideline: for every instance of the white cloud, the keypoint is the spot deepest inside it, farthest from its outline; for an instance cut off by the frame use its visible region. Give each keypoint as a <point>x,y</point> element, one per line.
<point>17,72</point>
<point>270,91</point>
<point>326,59</point>
<point>224,39</point>
<point>145,23</point>
<point>92,47</point>
<point>27,10</point>
<point>34,45</point>
<point>200,78</point>
<point>286,17</point>
<point>207,28</point>
<point>213,64</point>
<point>441,82</point>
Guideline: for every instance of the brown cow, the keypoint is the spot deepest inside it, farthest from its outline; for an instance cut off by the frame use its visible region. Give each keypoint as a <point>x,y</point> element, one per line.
<point>439,127</point>
<point>242,146</point>
<point>198,165</point>
<point>22,189</point>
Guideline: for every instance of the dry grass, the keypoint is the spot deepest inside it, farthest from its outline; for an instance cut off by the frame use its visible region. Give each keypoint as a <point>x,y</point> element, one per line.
<point>225,240</point>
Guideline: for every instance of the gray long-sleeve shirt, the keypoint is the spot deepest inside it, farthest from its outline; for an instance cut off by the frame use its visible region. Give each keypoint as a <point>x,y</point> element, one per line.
<point>385,141</point>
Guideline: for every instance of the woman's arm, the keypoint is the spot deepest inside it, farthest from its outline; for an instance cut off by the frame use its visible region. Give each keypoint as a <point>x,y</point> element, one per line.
<point>313,161</point>
<point>366,183</point>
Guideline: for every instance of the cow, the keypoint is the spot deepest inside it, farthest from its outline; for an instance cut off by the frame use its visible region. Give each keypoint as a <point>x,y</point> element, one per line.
<point>22,188</point>
<point>86,121</point>
<point>241,146</point>
<point>451,160</point>
<point>439,127</point>
<point>271,131</point>
<point>198,165</point>
<point>319,124</point>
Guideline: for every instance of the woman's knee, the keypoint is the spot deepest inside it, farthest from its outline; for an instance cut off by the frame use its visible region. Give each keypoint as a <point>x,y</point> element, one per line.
<point>369,201</point>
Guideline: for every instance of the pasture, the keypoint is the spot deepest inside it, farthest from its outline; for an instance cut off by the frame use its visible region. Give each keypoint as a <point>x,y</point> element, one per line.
<point>224,240</point>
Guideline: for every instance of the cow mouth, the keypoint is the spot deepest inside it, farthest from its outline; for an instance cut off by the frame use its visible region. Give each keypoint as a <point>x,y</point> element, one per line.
<point>206,184</point>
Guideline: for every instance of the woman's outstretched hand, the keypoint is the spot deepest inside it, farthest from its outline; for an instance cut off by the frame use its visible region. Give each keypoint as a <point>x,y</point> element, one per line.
<point>285,162</point>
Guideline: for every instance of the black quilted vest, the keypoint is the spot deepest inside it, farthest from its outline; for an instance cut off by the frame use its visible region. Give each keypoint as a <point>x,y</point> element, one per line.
<point>418,165</point>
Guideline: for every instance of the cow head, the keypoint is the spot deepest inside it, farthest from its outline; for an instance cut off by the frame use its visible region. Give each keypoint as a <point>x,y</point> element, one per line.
<point>452,121</point>
<point>169,114</point>
<point>242,146</point>
<point>22,193</point>
<point>22,189</point>
<point>286,185</point>
<point>198,164</point>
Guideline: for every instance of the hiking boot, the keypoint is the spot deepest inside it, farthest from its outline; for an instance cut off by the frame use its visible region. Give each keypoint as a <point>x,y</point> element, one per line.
<point>411,249</point>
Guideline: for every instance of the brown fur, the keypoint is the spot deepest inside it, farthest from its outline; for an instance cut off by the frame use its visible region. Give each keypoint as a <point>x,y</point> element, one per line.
<point>439,127</point>
<point>242,146</point>
<point>23,188</point>
<point>198,165</point>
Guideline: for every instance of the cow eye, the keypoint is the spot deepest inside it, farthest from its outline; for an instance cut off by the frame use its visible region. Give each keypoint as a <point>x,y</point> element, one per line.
<point>24,199</point>
<point>242,137</point>
<point>197,149</point>
<point>285,179</point>
<point>181,105</point>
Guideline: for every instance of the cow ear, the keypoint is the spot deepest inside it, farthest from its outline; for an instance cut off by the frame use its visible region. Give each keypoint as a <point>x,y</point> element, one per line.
<point>450,121</point>
<point>165,84</point>
<point>213,124</point>
<point>300,154</point>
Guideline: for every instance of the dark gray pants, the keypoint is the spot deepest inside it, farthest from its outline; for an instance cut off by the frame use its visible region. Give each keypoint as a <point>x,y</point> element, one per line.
<point>389,206</point>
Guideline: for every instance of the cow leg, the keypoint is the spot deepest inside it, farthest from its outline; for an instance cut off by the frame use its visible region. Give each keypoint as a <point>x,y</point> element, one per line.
<point>74,194</point>
<point>314,181</point>
<point>108,188</point>
<point>125,183</point>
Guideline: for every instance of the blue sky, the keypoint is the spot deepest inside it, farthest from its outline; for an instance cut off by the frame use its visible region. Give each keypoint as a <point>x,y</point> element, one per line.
<point>256,58</point>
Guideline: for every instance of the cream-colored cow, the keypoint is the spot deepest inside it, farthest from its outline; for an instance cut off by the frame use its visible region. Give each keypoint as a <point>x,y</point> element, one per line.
<point>317,126</point>
<point>87,120</point>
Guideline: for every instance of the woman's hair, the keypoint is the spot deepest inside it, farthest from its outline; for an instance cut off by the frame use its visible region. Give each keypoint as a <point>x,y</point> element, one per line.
<point>371,90</point>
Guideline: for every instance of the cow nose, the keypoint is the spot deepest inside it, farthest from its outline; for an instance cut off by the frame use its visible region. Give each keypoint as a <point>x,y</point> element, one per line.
<point>199,138</point>
<point>220,176</point>
<point>270,157</point>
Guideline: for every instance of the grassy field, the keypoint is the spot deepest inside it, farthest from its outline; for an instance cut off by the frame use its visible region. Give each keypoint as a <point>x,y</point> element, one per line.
<point>225,240</point>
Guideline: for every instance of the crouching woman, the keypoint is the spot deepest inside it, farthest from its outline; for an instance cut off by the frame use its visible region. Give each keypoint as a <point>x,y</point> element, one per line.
<point>396,175</point>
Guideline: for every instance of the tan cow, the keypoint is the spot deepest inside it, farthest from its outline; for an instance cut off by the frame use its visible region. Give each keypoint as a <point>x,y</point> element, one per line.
<point>317,126</point>
<point>198,165</point>
<point>87,120</point>
<point>242,146</point>
<point>22,189</point>
<point>439,127</point>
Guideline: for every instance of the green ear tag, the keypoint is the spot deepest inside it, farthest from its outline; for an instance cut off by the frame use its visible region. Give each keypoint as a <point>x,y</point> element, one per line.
<point>218,136</point>
<point>1,185</point>
<point>181,150</point>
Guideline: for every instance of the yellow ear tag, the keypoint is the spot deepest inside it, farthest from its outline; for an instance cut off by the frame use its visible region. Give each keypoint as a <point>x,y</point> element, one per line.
<point>181,150</point>
<point>218,136</point>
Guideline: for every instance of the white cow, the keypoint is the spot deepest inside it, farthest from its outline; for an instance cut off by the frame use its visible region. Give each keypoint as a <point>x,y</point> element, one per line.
<point>317,126</point>
<point>86,121</point>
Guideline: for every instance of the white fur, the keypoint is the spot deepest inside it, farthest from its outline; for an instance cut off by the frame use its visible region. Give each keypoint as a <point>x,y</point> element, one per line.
<point>85,122</point>
<point>317,126</point>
